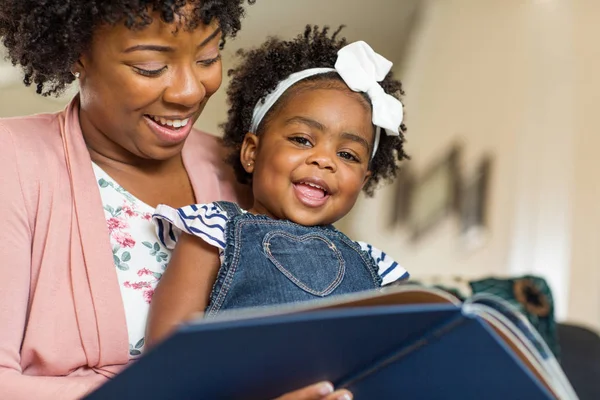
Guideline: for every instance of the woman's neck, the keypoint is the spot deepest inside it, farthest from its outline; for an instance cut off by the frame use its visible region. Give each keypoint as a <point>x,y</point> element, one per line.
<point>152,181</point>
<point>125,151</point>
<point>135,165</point>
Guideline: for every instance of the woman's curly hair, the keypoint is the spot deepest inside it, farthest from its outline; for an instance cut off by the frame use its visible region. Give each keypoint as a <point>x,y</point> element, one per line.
<point>46,37</point>
<point>263,68</point>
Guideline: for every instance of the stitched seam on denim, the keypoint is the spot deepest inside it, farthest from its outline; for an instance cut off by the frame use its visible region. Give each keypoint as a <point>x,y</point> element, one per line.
<point>222,269</point>
<point>232,209</point>
<point>290,276</point>
<point>231,260</point>
<point>231,254</point>
<point>228,268</point>
<point>236,226</point>
<point>282,269</point>
<point>368,261</point>
<point>265,220</point>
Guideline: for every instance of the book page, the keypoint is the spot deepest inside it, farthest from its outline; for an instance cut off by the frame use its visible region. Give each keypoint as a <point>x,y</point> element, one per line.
<point>523,339</point>
<point>405,294</point>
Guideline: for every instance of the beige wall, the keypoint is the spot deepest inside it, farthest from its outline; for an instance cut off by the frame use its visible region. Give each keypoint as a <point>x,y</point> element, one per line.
<point>515,79</point>
<point>16,100</point>
<point>585,272</point>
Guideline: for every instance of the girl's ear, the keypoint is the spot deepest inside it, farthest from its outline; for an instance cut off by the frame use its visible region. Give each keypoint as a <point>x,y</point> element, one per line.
<point>367,177</point>
<point>248,152</point>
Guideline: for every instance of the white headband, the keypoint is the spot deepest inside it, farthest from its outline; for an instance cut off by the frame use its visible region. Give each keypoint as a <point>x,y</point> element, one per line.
<point>360,68</point>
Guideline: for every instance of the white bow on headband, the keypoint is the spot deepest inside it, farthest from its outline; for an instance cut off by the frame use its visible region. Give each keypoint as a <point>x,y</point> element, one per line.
<point>361,68</point>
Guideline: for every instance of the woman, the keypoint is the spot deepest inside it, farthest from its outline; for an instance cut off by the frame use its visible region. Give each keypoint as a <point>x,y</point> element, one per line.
<point>79,261</point>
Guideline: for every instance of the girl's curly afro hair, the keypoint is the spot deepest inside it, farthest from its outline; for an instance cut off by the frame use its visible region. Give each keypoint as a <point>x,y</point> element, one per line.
<point>46,37</point>
<point>263,68</point>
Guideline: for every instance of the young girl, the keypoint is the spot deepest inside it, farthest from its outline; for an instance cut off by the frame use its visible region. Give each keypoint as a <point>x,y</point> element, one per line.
<point>312,122</point>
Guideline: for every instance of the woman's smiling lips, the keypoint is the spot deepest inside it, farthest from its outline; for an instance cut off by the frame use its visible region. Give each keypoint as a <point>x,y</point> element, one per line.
<point>170,129</point>
<point>312,192</point>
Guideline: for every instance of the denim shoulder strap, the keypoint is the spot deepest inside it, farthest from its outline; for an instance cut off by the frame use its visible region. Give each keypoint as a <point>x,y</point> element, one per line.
<point>230,208</point>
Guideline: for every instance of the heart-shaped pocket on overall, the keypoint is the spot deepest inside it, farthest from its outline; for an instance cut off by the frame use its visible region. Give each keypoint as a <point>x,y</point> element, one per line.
<point>312,261</point>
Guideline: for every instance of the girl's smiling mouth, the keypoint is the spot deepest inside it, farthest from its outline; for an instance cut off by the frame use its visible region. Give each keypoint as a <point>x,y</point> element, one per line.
<point>312,192</point>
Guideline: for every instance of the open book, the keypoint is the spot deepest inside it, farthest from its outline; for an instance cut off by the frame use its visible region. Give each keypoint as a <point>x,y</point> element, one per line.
<point>400,342</point>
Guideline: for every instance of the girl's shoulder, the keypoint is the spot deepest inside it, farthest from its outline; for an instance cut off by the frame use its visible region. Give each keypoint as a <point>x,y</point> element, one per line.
<point>389,269</point>
<point>207,221</point>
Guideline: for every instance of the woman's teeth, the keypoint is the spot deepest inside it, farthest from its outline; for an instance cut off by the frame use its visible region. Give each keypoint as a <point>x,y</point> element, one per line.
<point>175,123</point>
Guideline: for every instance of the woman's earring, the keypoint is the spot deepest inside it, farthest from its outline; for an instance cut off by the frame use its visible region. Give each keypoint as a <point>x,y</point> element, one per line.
<point>249,164</point>
<point>76,74</point>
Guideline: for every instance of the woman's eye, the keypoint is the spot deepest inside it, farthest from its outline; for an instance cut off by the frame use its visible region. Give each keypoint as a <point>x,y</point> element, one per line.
<point>208,63</point>
<point>301,140</point>
<point>150,72</point>
<point>348,156</point>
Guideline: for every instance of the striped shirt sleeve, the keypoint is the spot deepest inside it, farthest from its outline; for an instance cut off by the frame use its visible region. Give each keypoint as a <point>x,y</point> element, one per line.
<point>207,221</point>
<point>389,270</point>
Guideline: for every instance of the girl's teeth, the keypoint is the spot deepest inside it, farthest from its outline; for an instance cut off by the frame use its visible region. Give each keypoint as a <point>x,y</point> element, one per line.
<point>315,186</point>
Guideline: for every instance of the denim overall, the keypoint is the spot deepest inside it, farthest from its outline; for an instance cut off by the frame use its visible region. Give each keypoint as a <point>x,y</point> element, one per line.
<point>268,262</point>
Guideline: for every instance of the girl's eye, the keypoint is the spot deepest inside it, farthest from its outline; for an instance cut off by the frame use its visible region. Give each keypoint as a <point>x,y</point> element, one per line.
<point>301,140</point>
<point>208,63</point>
<point>150,72</point>
<point>348,156</point>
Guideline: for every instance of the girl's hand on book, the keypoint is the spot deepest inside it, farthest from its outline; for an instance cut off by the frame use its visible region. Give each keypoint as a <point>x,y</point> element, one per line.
<point>319,391</point>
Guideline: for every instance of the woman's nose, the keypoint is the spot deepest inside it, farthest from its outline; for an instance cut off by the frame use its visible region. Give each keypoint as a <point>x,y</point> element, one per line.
<point>186,88</point>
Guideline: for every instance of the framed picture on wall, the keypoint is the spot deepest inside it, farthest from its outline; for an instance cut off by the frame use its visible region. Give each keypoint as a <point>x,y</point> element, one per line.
<point>403,187</point>
<point>474,205</point>
<point>435,194</point>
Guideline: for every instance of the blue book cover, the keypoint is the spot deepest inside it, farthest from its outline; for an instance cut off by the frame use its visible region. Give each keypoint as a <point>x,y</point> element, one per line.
<point>405,343</point>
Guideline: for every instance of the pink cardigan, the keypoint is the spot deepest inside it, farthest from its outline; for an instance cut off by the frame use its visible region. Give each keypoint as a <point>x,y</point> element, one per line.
<point>62,321</point>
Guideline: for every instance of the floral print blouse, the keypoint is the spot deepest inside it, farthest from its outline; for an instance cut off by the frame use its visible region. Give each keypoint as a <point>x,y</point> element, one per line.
<point>139,257</point>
